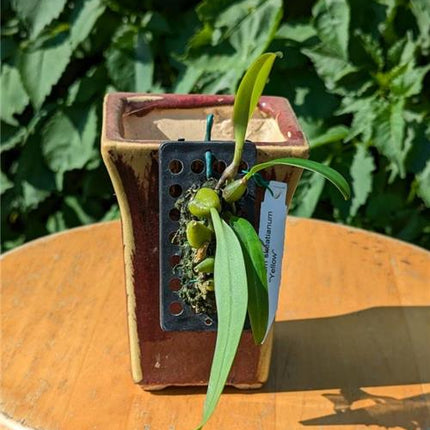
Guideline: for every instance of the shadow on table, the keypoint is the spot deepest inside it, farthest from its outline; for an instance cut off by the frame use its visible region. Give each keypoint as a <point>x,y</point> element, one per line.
<point>410,413</point>
<point>374,347</point>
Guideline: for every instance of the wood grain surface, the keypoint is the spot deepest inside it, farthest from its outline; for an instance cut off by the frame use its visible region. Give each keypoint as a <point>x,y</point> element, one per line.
<point>352,339</point>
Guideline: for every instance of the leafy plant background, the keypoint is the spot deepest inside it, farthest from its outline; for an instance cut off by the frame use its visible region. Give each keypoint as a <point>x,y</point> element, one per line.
<point>356,73</point>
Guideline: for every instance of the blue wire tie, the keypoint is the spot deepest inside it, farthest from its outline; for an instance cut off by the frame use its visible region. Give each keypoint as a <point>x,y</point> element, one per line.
<point>208,159</point>
<point>208,154</point>
<point>260,181</point>
<point>209,124</point>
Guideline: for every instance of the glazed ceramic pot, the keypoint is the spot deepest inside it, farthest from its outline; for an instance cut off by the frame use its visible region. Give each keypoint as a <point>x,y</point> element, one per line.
<point>134,126</point>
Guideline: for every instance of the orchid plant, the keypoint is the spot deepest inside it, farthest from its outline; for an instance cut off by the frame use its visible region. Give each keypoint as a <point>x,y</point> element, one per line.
<point>222,253</point>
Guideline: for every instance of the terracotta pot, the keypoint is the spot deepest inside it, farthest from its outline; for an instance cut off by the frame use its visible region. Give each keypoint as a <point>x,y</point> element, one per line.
<point>134,125</point>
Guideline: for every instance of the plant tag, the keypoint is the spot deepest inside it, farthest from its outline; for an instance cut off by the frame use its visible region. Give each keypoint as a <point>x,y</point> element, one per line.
<point>273,214</point>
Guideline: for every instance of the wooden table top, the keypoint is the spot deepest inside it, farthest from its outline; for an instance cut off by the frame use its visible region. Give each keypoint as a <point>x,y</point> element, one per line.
<point>352,339</point>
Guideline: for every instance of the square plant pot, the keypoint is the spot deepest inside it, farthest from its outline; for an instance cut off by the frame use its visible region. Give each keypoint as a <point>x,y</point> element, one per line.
<point>134,126</point>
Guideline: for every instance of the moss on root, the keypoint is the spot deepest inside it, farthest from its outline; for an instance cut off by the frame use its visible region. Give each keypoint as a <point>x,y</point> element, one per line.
<point>194,287</point>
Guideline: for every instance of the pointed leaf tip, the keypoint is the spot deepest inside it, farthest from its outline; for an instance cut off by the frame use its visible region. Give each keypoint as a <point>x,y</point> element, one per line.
<point>231,295</point>
<point>329,173</point>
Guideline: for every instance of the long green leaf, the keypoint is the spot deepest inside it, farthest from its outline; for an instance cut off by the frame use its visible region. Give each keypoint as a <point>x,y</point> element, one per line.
<point>231,296</point>
<point>248,94</point>
<point>258,299</point>
<point>332,175</point>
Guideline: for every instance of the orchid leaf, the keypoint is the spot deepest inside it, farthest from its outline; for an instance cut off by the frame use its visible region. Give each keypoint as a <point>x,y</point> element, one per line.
<point>231,295</point>
<point>248,94</point>
<point>258,299</point>
<point>332,175</point>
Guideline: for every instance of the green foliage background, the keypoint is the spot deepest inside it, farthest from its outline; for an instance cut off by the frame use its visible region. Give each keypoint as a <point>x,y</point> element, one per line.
<point>355,71</point>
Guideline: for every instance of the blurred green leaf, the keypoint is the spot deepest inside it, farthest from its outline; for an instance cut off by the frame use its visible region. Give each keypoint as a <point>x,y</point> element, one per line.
<point>333,134</point>
<point>254,32</point>
<point>423,179</point>
<point>421,10</point>
<point>12,137</point>
<point>32,168</point>
<point>401,52</point>
<point>296,31</point>
<point>129,60</point>
<point>56,222</point>
<point>85,15</point>
<point>91,85</point>
<point>155,22</point>
<point>331,18</point>
<point>413,226</point>
<point>241,34</point>
<point>361,174</point>
<point>35,182</point>
<point>367,52</point>
<point>32,196</point>
<point>208,10</point>
<point>74,207</point>
<point>68,138</point>
<point>14,98</point>
<point>308,95</point>
<point>309,193</point>
<point>388,136</point>
<point>49,62</point>
<point>187,80</point>
<point>145,62</point>
<point>418,139</point>
<point>410,82</point>
<point>364,112</point>
<point>37,14</point>
<point>201,38</point>
<point>112,214</point>
<point>5,183</point>
<point>329,65</point>
<point>10,244</point>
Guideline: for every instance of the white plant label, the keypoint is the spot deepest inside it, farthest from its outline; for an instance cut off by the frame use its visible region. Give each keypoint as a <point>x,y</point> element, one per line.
<point>273,215</point>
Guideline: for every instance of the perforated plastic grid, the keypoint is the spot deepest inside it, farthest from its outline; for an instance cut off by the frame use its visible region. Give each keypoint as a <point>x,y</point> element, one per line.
<point>182,164</point>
